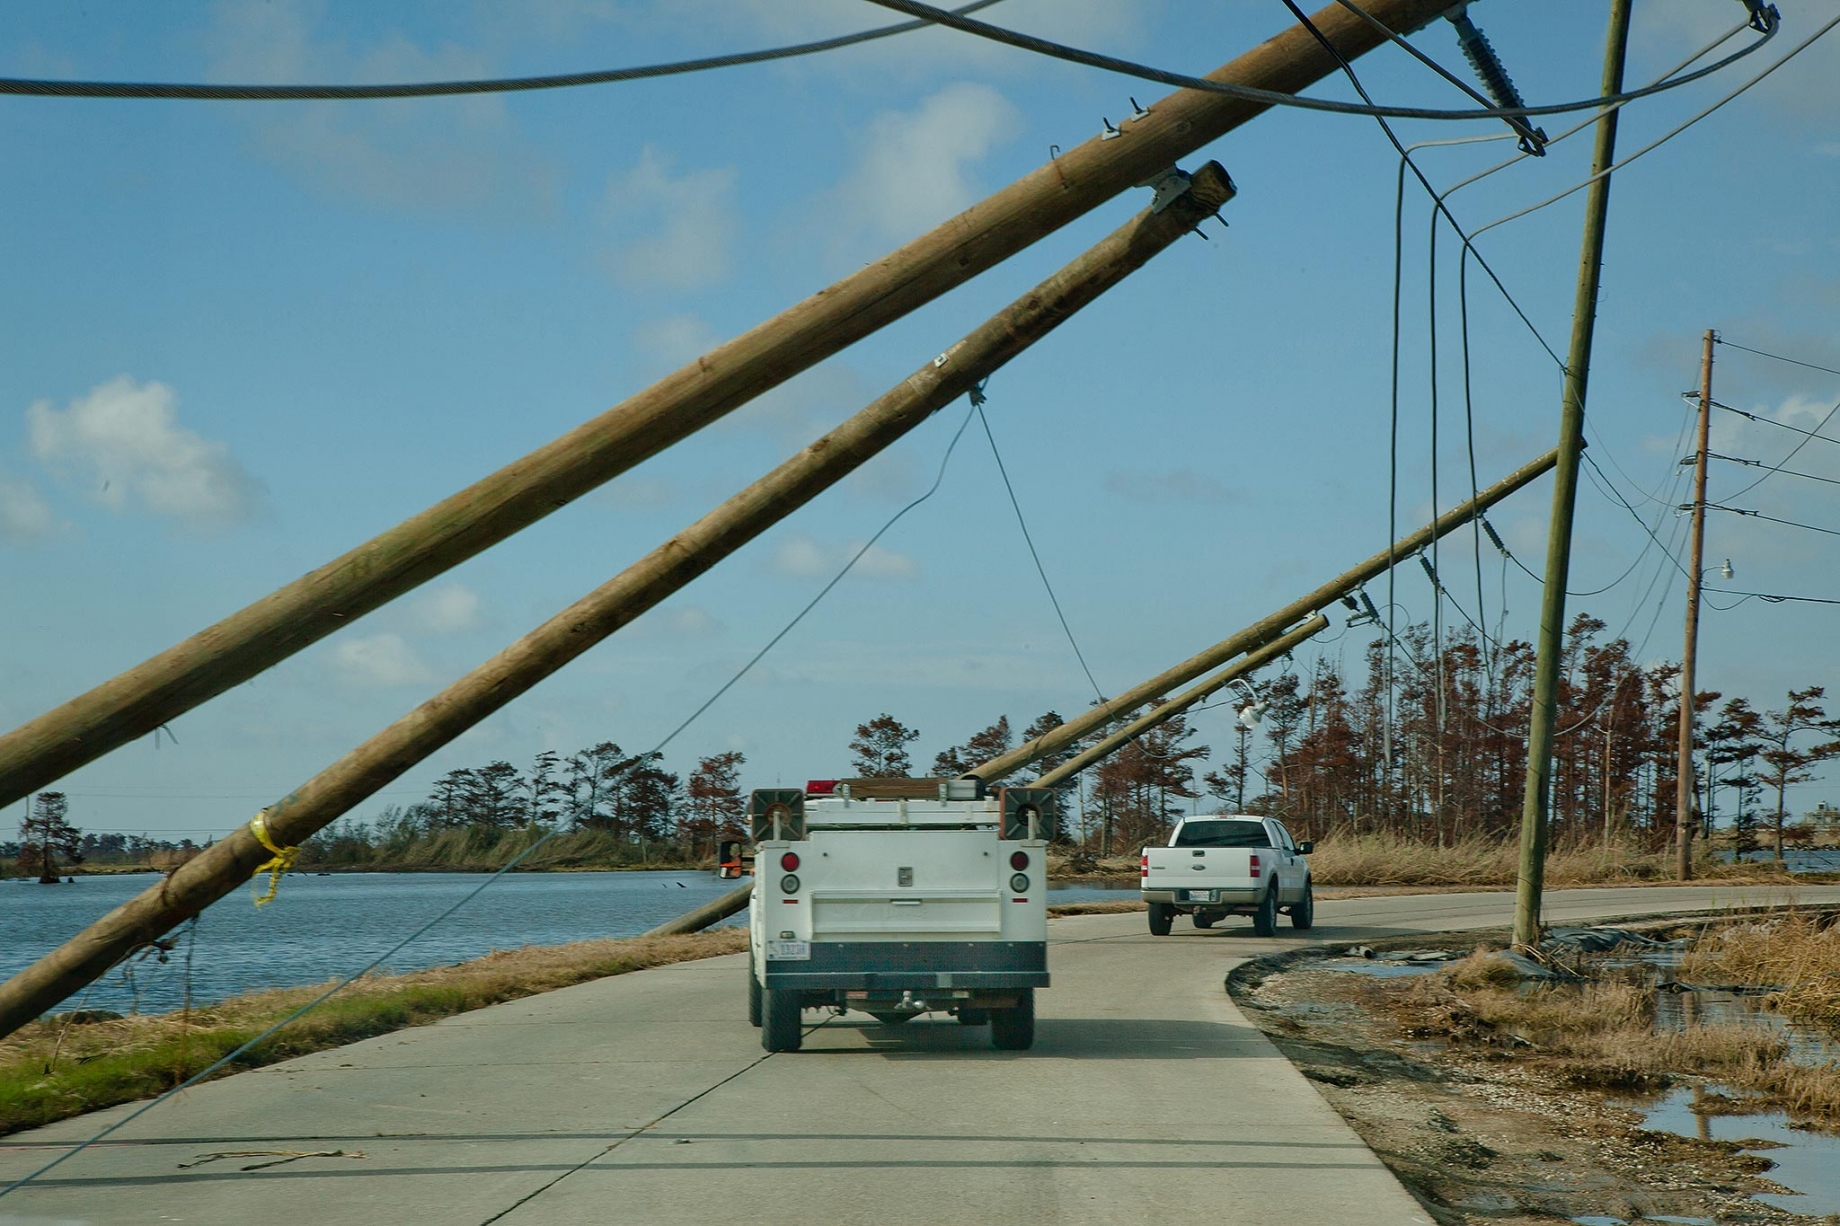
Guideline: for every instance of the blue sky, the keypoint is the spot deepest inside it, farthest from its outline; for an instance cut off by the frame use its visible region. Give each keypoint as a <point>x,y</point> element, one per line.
<point>245,337</point>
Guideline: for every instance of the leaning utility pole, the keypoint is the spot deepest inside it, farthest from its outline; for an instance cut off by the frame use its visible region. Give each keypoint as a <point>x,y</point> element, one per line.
<point>541,653</point>
<point>1538,792</point>
<point>1684,825</point>
<point>1260,632</point>
<point>1181,702</point>
<point>1141,148</point>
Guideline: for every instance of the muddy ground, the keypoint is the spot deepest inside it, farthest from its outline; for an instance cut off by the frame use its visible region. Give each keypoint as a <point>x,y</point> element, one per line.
<point>1482,1135</point>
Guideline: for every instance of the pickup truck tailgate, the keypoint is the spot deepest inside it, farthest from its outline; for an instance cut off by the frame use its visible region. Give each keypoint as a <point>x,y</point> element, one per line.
<point>1193,871</point>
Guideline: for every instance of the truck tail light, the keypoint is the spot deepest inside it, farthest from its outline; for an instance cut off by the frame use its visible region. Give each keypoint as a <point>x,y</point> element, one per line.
<point>1019,860</point>
<point>1253,864</point>
<point>1143,868</point>
<point>790,861</point>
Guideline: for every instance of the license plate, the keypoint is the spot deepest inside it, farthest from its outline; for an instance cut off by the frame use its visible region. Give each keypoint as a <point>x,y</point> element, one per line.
<point>1201,895</point>
<point>788,951</point>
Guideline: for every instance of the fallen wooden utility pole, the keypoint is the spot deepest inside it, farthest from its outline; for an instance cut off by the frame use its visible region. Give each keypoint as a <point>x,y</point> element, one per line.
<point>1536,796</point>
<point>1073,183</point>
<point>1182,702</point>
<point>539,654</point>
<point>736,900</point>
<point>1257,634</point>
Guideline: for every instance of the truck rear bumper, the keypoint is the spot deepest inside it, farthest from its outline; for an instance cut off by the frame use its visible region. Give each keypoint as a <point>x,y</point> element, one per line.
<point>914,965</point>
<point>1221,897</point>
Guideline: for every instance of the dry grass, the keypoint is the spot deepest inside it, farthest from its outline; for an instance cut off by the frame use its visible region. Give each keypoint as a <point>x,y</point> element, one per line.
<point>1602,1034</point>
<point>1796,953</point>
<point>54,1068</point>
<point>1391,860</point>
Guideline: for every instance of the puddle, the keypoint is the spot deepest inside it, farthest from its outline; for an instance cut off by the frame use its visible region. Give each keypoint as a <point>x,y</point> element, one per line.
<point>1808,1162</point>
<point>1381,970</point>
<point>1593,1219</point>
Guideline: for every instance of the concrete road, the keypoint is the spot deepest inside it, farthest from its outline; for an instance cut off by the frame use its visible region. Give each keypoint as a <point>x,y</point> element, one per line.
<point>646,1098</point>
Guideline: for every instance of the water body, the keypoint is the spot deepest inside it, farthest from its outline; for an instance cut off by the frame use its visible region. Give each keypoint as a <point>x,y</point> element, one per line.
<point>322,927</point>
<point>1807,1162</point>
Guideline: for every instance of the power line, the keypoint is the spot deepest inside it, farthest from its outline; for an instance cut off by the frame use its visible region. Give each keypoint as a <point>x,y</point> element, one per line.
<point>1781,425</point>
<point>439,89</point>
<point>1774,469</point>
<point>1713,506</point>
<point>1766,597</point>
<point>1719,340</point>
<point>340,986</point>
<point>1090,59</point>
<point>977,402</point>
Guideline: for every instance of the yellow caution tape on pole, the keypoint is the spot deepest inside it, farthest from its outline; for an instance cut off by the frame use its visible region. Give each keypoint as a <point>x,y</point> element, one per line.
<point>283,861</point>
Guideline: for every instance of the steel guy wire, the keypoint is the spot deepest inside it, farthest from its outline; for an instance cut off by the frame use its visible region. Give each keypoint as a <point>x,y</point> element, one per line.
<point>492,878</point>
<point>977,403</point>
<point>439,89</point>
<point>1075,55</point>
<point>1719,340</point>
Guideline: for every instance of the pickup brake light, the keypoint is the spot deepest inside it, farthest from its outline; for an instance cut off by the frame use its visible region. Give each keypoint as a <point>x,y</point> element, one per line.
<point>1143,869</point>
<point>1253,864</point>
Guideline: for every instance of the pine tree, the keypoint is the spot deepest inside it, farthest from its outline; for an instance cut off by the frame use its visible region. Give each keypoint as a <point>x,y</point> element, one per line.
<point>879,750</point>
<point>46,836</point>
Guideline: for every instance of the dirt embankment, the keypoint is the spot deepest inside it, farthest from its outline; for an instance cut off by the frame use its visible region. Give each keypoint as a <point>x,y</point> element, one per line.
<point>1500,1100</point>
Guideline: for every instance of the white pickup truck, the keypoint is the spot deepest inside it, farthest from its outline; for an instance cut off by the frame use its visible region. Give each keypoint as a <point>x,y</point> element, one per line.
<point>897,897</point>
<point>1224,864</point>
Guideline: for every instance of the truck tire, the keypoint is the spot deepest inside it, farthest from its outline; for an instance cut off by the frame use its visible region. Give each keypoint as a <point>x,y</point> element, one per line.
<point>1013,1029</point>
<point>1265,919</point>
<point>974,1017</point>
<point>1162,915</point>
<point>1303,911</point>
<point>753,993</point>
<point>780,1029</point>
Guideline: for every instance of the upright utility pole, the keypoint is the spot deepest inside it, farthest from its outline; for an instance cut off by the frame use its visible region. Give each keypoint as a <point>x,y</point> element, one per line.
<point>1565,496</point>
<point>1684,824</point>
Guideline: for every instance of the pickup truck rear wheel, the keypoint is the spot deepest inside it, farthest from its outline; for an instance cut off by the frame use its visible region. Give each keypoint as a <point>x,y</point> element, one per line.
<point>1303,911</point>
<point>753,993</point>
<point>1265,919</point>
<point>1013,1029</point>
<point>1161,916</point>
<point>780,1029</point>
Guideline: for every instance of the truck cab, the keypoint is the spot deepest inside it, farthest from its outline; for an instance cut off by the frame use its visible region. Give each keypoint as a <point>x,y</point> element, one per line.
<point>897,897</point>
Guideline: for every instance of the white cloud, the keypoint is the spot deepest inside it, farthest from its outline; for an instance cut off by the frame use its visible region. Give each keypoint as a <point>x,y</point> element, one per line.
<point>674,340</point>
<point>441,154</point>
<point>669,230</point>
<point>916,166</point>
<point>636,493</point>
<point>1179,485</point>
<point>124,441</point>
<point>24,515</point>
<point>451,608</point>
<point>800,557</point>
<point>679,622</point>
<point>381,661</point>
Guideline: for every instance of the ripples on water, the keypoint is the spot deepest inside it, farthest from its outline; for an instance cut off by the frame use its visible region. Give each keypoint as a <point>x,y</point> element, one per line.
<point>322,927</point>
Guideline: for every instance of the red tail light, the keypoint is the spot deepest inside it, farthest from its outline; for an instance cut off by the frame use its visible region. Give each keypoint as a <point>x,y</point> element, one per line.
<point>789,861</point>
<point>1019,860</point>
<point>1255,865</point>
<point>1143,870</point>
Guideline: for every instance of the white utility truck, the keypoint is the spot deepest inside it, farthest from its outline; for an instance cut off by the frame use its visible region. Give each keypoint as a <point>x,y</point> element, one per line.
<point>896,897</point>
<point>1223,864</point>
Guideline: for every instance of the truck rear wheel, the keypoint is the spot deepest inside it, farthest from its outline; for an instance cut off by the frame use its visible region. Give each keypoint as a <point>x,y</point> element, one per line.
<point>1265,919</point>
<point>753,992</point>
<point>1013,1029</point>
<point>780,1030</point>
<point>1303,911</point>
<point>1161,916</point>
